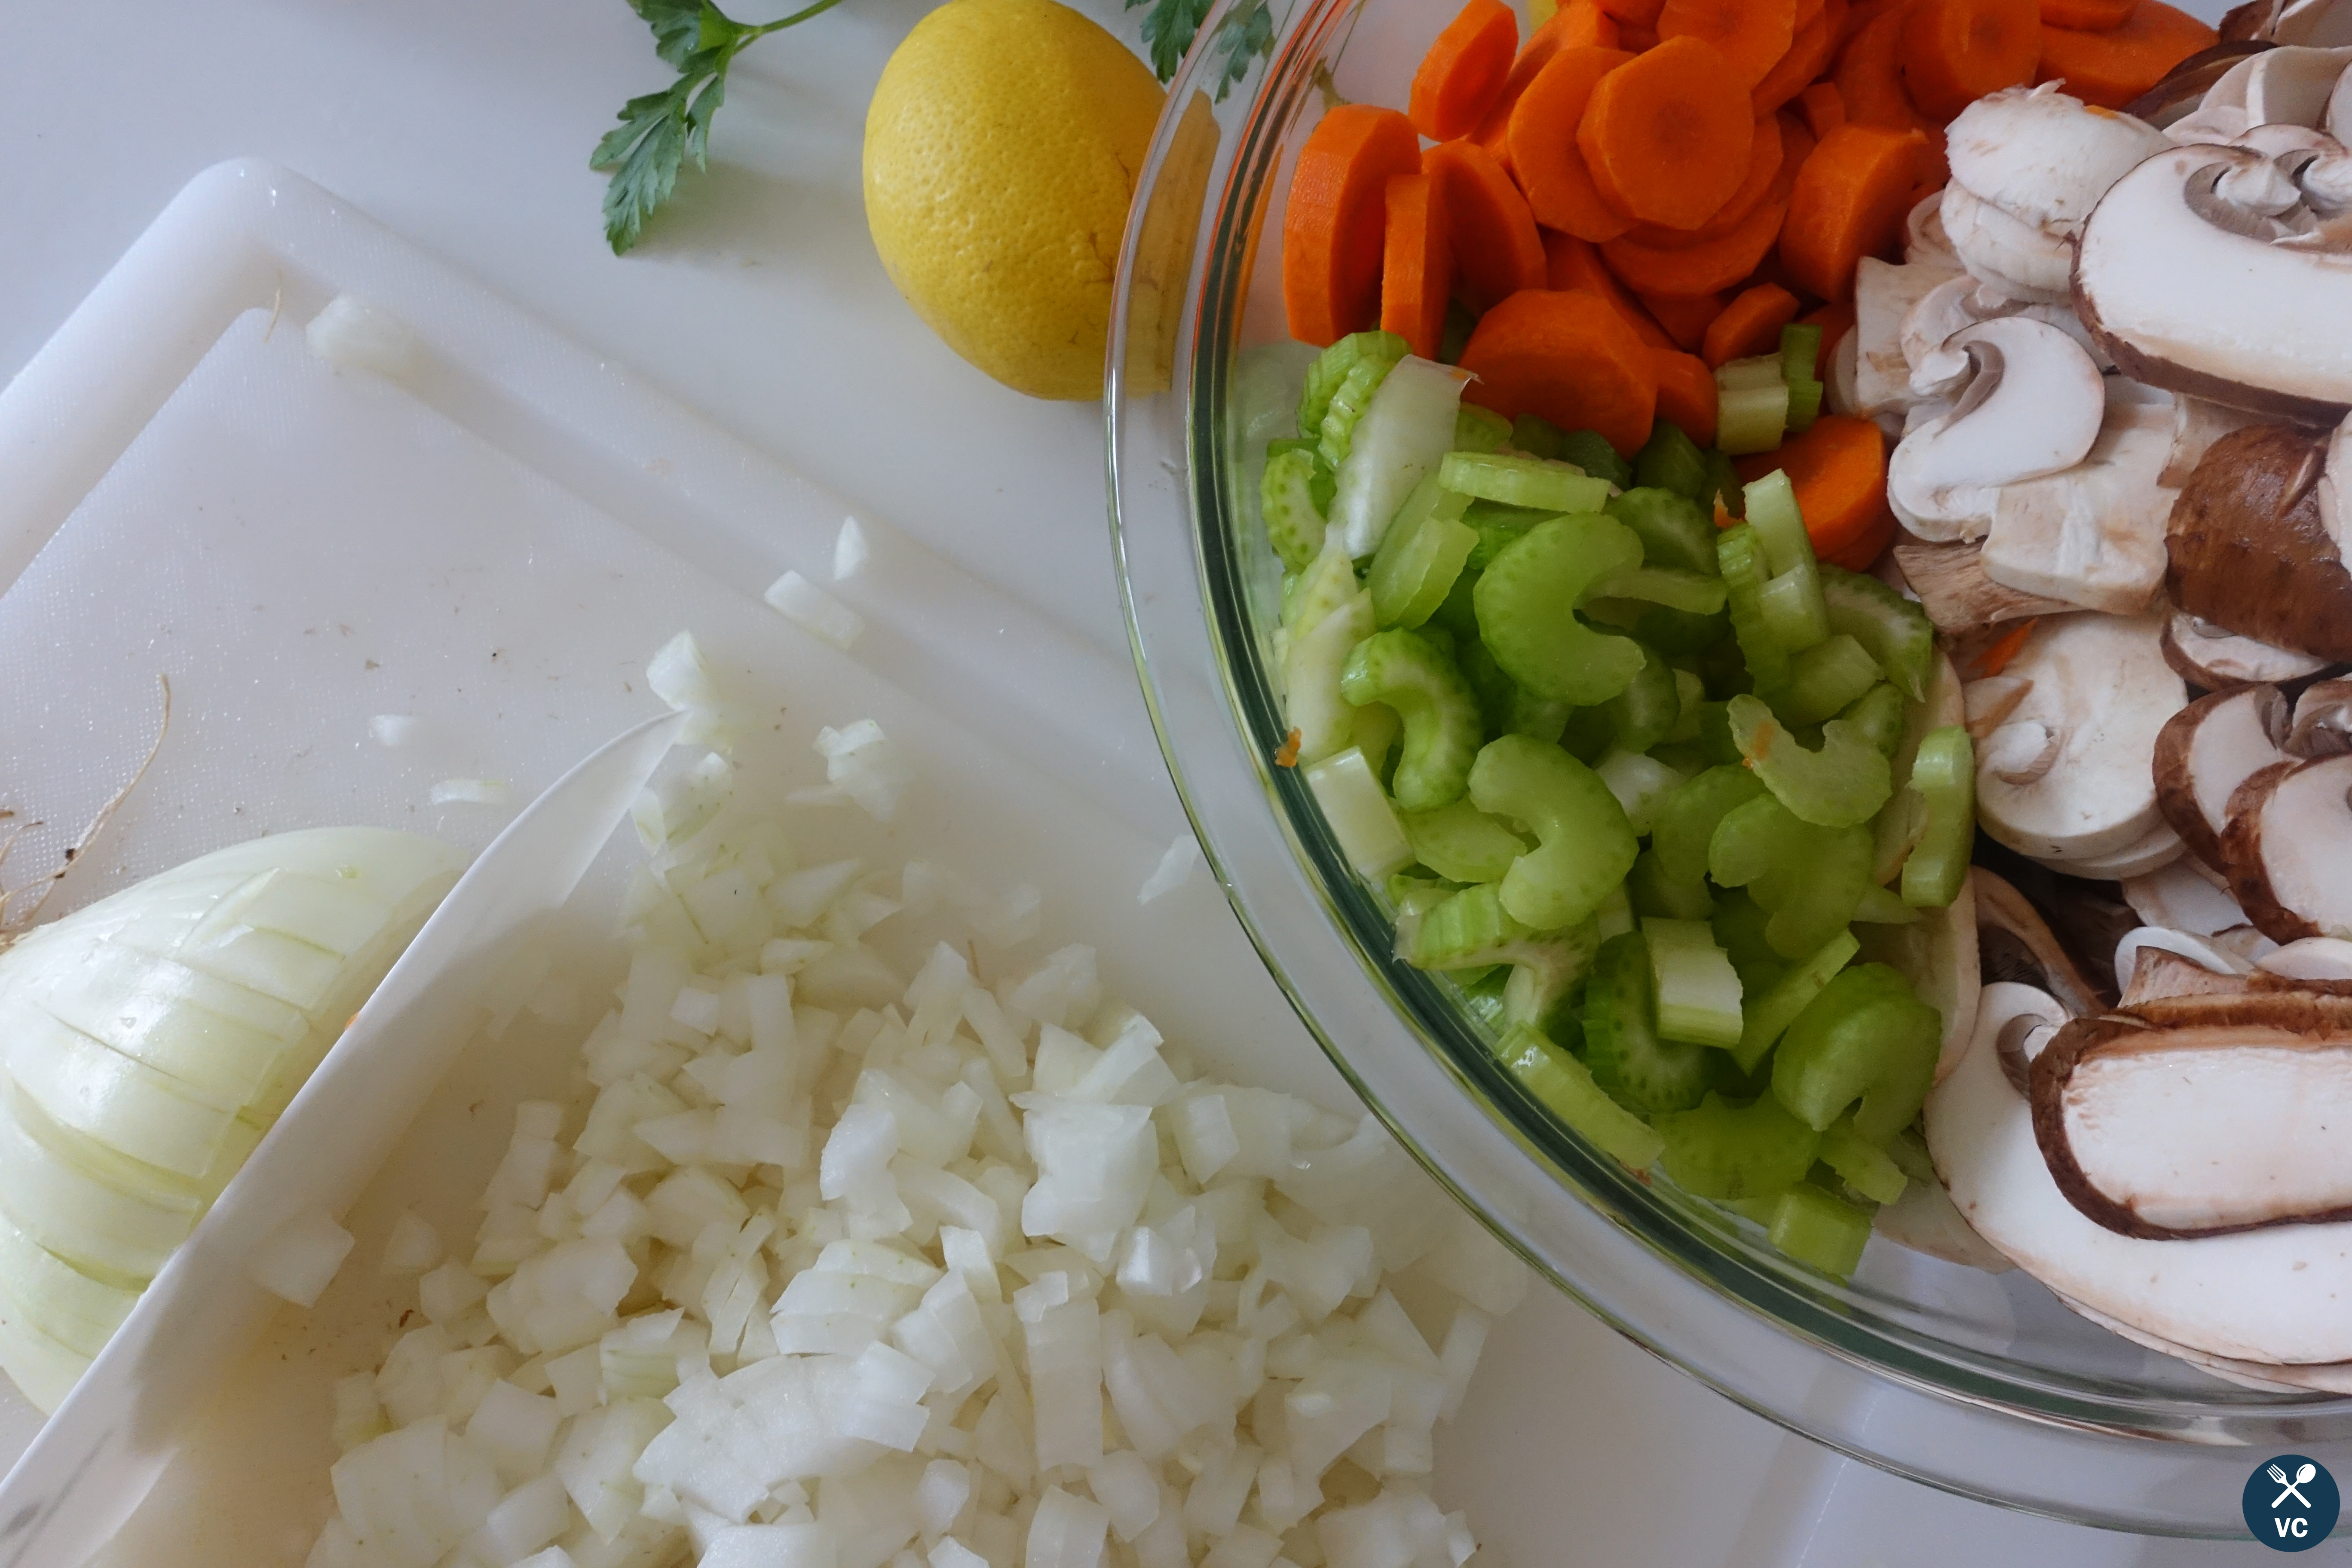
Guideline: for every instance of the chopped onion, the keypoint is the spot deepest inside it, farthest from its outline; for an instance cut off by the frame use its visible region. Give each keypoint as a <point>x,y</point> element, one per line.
<point>298,1259</point>
<point>1175,869</point>
<point>470,792</point>
<point>392,729</point>
<point>353,334</point>
<point>814,610</point>
<point>850,550</point>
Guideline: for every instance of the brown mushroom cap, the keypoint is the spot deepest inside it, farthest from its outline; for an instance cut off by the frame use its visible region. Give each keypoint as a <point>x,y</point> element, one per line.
<point>2207,657</point>
<point>2205,751</point>
<point>2287,849</point>
<point>2249,550</point>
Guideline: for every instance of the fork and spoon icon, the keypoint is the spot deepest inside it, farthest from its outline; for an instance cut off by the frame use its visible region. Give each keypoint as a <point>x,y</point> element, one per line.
<point>2303,1473</point>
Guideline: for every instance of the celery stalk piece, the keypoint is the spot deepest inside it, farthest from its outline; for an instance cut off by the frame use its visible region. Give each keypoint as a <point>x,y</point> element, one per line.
<point>1780,526</point>
<point>1944,776</point>
<point>1862,1163</point>
<point>1590,450</point>
<point>1518,480</point>
<point>1564,1086</point>
<point>1508,707</point>
<point>1877,716</point>
<point>1741,558</point>
<point>1333,367</point>
<point>1816,1226</point>
<point>1544,975</point>
<point>1751,419</point>
<point>1756,370</point>
<point>1823,680</point>
<point>1642,713</point>
<point>1375,732</point>
<point>1801,351</point>
<point>1405,432</point>
<point>1793,608</point>
<point>1653,892</point>
<point>1335,435</point>
<point>1805,405</point>
<point>1641,783</point>
<point>1882,906</point>
<point>1477,429</point>
<point>1538,437</point>
<point>1584,845</point>
<point>1325,585</point>
<point>1406,671</point>
<point>1671,461</point>
<point>1690,701</point>
<point>1621,1045</point>
<point>1312,671</point>
<point>1691,593</point>
<point>1525,599</point>
<point>1843,784</point>
<point>1686,822</point>
<point>1462,843</point>
<point>1419,557</point>
<point>1895,629</point>
<point>1697,992</point>
<point>1808,878</point>
<point>1496,526</point>
<point>1615,917</point>
<point>1674,530</point>
<point>1866,1044</point>
<point>1360,814</point>
<point>1293,523</point>
<point>1469,933</point>
<point>1716,1151</point>
<point>1470,928</point>
<point>1767,1016</point>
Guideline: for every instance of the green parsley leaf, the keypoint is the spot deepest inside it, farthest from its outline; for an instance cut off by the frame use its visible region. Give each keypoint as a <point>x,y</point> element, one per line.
<point>1169,26</point>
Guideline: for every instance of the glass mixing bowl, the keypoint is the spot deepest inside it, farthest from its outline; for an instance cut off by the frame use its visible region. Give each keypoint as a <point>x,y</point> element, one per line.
<point>1981,1384</point>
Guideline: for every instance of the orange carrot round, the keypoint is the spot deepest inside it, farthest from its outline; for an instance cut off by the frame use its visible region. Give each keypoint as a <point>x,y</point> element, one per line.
<point>1686,394</point>
<point>1751,34</point>
<point>1866,548</point>
<point>1824,108</point>
<point>1704,268</point>
<point>1849,202</point>
<point>1956,51</point>
<point>1416,264</point>
<point>2088,15</point>
<point>1572,263</point>
<point>1578,25</point>
<point>1685,317</point>
<point>1667,136</point>
<point>1640,13</point>
<point>1545,158</point>
<point>2112,68</point>
<point>1463,70</point>
<point>1870,75</point>
<point>1749,325</point>
<point>1838,468</point>
<point>1496,251</point>
<point>1807,56</point>
<point>1569,357</point>
<point>1765,163</point>
<point>1337,220</point>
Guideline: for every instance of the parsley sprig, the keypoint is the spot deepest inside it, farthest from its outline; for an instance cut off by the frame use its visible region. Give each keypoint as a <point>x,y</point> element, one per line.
<point>1169,25</point>
<point>659,131</point>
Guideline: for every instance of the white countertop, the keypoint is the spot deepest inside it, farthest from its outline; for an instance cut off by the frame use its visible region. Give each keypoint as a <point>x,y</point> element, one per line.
<point>758,298</point>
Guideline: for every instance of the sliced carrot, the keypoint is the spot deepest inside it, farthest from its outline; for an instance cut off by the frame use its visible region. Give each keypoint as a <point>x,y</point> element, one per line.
<point>1797,144</point>
<point>1849,200</point>
<point>1823,109</point>
<point>1764,166</point>
<point>1807,56</point>
<point>1956,51</point>
<point>2088,15</point>
<point>1838,468</point>
<point>1463,70</point>
<point>1835,321</point>
<point>1636,39</point>
<point>1861,15</point>
<point>1416,264</point>
<point>1580,24</point>
<point>1869,75</point>
<point>1686,394</point>
<point>1667,136</point>
<point>2112,68</point>
<point>1685,317</point>
<point>1705,268</point>
<point>1806,11</point>
<point>1995,659</point>
<point>1572,263</point>
<point>1569,357</point>
<point>1337,220</point>
<point>1868,546</point>
<point>1545,158</point>
<point>1750,35</point>
<point>1749,325</point>
<point>1496,251</point>
<point>1640,13</point>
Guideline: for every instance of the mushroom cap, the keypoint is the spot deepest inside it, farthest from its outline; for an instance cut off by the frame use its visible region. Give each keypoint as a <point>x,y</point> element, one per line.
<point>2288,848</point>
<point>2219,660</point>
<point>2034,404</point>
<point>2250,551</point>
<point>2016,945</point>
<point>2292,85</point>
<point>2323,720</point>
<point>2184,895</point>
<point>2044,157</point>
<point>2311,961</point>
<point>2154,850</point>
<point>2008,252</point>
<point>2205,751</point>
<point>2093,534</point>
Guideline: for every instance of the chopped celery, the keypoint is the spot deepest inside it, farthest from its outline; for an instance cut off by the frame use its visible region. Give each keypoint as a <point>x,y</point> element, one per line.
<point>1756,370</point>
<point>1725,1152</point>
<point>1767,1014</point>
<point>1908,1150</point>
<point>1468,927</point>
<point>1642,713</point>
<point>1697,995</point>
<point>1793,608</point>
<point>1335,434</point>
<point>1671,461</point>
<point>1324,485</point>
<point>1459,612</point>
<point>1463,843</point>
<point>1360,814</point>
<point>1744,581</point>
<point>1293,523</point>
<point>1477,429</point>
<point>1497,525</point>
<point>1587,735</point>
<point>1333,365</point>
<point>1750,418</point>
<point>1690,697</point>
<point>1326,584</point>
<point>1629,1061</point>
<point>1877,714</point>
<point>1808,878</point>
<point>1642,784</point>
<point>1805,405</point>
<point>1508,707</point>
<point>1538,437</point>
<point>1843,784</point>
<point>1740,924</point>
<point>1312,671</point>
<point>1419,557</point>
<point>1584,845</point>
<point>1674,530</point>
<point>1525,598</point>
<point>1780,526</point>
<point>1565,1087</point>
<point>1413,898</point>
<point>1544,975</point>
<point>1881,907</point>
<point>1864,1042</point>
<point>1944,776</point>
<point>1691,593</point>
<point>1522,481</point>
<point>1715,735</point>
<point>1823,680</point>
<point>1375,734</point>
<point>1616,914</point>
<point>1407,672</point>
<point>1686,822</point>
<point>1816,1226</point>
<point>1863,1166</point>
<point>1590,450</point>
<point>1800,353</point>
<point>1895,629</point>
<point>1656,893</point>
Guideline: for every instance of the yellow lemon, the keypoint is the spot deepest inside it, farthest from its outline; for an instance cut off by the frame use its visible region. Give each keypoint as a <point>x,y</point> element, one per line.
<point>1002,150</point>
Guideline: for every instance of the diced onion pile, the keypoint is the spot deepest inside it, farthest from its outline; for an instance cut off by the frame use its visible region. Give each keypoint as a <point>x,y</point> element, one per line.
<point>829,1267</point>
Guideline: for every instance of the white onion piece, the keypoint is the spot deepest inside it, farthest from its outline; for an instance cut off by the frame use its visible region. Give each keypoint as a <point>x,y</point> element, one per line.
<point>815,611</point>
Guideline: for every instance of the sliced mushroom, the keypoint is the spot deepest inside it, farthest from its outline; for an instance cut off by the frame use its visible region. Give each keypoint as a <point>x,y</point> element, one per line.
<point>1925,1219</point>
<point>2013,256</point>
<point>2014,944</point>
<point>1884,295</point>
<point>2094,534</point>
<point>2250,551</point>
<point>2201,1115</point>
<point>2292,86</point>
<point>1990,701</point>
<point>2155,944</point>
<point>2333,1377</point>
<point>2246,943</point>
<point>2323,720</point>
<point>2205,751</point>
<point>2312,23</point>
<point>2334,492</point>
<point>2158,847</point>
<point>2159,972</point>
<point>2044,157</point>
<point>2208,657</point>
<point>2102,686</point>
<point>1959,597</point>
<point>2174,99</point>
<point>2184,895</point>
<point>2034,405</point>
<point>2183,302</point>
<point>2288,848</point>
<point>2311,961</point>
<point>1924,239</point>
<point>2197,424</point>
<point>2019,753</point>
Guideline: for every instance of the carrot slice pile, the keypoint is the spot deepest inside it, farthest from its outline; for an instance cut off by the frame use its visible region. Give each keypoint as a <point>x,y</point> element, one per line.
<point>1544,157</point>
<point>1463,70</point>
<point>1750,35</point>
<point>1765,155</point>
<point>1667,136</point>
<point>1684,317</point>
<point>2088,15</point>
<point>1578,25</point>
<point>1835,321</point>
<point>1336,225</point>
<point>1824,108</point>
<point>1496,251</point>
<point>1838,468</point>
<point>1416,264</point>
<point>1956,51</point>
<point>1686,392</point>
<point>1808,55</point>
<point>1849,201</point>
<point>1749,325</point>
<point>1569,357</point>
<point>1870,76</point>
<point>1572,263</point>
<point>1640,13</point>
<point>2111,69</point>
<point>1705,268</point>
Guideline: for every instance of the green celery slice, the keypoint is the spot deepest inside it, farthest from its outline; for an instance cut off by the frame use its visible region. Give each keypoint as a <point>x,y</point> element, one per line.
<point>1728,1153</point>
<point>1693,593</point>
<point>1810,878</point>
<point>1863,1165</point>
<point>1674,530</point>
<point>1590,450</point>
<point>1333,365</point>
<point>1671,461</point>
<point>1525,597</point>
<point>1816,1226</point>
<point>1895,630</point>
<point>1866,1044</point>
<point>1294,522</point>
<point>1360,814</point>
<point>1641,715</point>
<point>1780,526</point>
<point>1522,481</point>
<point>1751,419</point>
<point>1565,1087</point>
<point>1477,429</point>
<point>1877,716</point>
<point>1584,845</point>
<point>1823,680</point>
<point>1744,581</point>
<point>1769,1014</point>
<point>1629,1060</point>
<point>1419,557</point>
<point>1793,608</point>
<point>1843,784</point>
<point>1409,673</point>
<point>1684,825</point>
<point>1697,992</point>
<point>1653,892</point>
<point>1462,843</point>
<point>1944,776</point>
